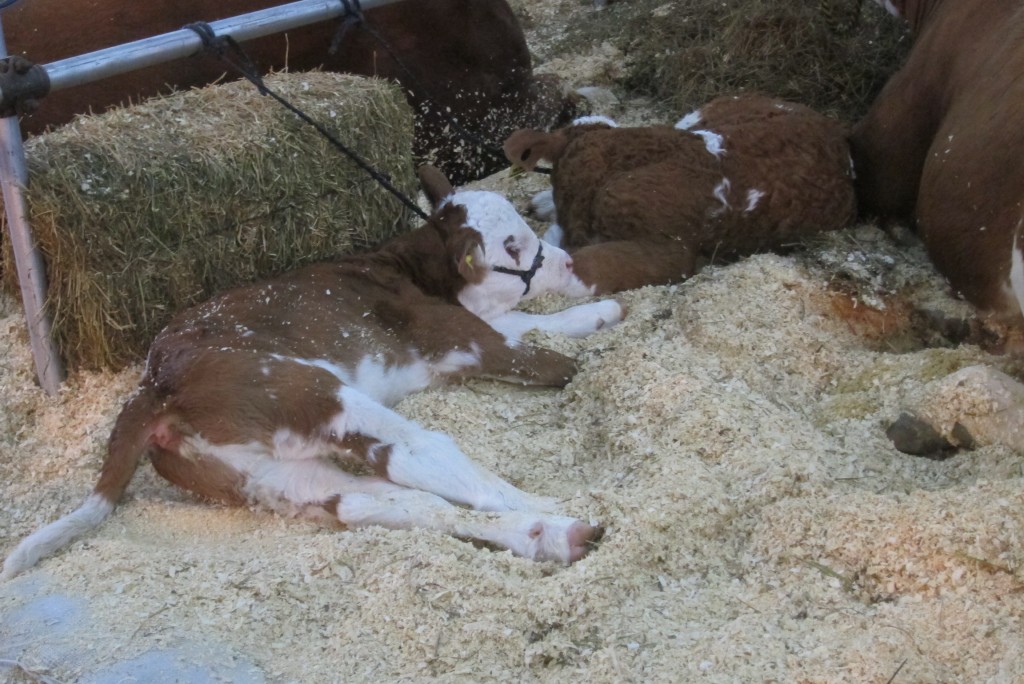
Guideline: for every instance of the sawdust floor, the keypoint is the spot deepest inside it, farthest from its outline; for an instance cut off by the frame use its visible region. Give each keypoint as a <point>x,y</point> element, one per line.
<point>729,434</point>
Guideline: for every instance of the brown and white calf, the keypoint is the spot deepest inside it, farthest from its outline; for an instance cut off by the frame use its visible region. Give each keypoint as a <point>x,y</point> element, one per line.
<point>943,145</point>
<point>644,206</point>
<point>258,395</point>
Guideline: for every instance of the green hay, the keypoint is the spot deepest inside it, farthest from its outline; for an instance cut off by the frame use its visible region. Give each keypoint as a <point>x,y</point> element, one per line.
<point>146,210</point>
<point>832,55</point>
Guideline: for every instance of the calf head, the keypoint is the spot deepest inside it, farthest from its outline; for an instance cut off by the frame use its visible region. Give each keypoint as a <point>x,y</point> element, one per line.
<point>526,148</point>
<point>501,260</point>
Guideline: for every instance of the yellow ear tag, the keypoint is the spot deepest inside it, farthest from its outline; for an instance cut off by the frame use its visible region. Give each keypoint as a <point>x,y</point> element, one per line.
<point>469,259</point>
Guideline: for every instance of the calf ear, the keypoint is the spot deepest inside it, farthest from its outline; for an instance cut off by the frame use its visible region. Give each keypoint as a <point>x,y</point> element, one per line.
<point>524,148</point>
<point>435,184</point>
<point>467,248</point>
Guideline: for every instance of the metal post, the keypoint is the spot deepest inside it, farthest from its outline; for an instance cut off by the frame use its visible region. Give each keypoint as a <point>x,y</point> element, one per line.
<point>27,257</point>
<point>93,67</point>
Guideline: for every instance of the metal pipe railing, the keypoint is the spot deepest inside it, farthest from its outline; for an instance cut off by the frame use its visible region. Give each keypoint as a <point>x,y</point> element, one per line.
<point>185,42</point>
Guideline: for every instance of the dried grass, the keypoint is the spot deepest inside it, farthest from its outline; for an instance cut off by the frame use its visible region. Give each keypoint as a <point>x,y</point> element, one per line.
<point>833,55</point>
<point>145,210</point>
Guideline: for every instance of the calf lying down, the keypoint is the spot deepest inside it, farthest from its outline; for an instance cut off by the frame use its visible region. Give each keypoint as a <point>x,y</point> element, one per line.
<point>644,206</point>
<point>260,395</point>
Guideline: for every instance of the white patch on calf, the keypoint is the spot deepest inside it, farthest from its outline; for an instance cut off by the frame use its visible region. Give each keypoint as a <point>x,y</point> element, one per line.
<point>753,197</point>
<point>290,487</point>
<point>712,141</point>
<point>290,446</point>
<point>390,384</point>
<point>595,119</point>
<point>543,205</point>
<point>689,121</point>
<point>721,194</point>
<point>457,360</point>
<point>554,235</point>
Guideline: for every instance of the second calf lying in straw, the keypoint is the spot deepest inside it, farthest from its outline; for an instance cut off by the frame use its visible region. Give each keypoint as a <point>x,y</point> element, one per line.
<point>645,206</point>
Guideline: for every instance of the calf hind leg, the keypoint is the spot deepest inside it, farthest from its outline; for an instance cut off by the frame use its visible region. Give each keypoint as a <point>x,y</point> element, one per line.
<point>408,455</point>
<point>313,488</point>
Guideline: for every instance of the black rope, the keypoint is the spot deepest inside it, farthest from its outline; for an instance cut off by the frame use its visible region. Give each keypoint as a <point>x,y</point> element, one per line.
<point>525,275</point>
<point>228,50</point>
<point>354,17</point>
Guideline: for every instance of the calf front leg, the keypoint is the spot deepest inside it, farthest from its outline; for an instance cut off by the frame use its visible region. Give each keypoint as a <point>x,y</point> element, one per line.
<point>439,329</point>
<point>576,321</point>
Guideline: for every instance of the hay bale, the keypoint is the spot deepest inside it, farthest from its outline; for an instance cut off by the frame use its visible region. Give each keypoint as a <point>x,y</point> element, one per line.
<point>832,55</point>
<point>148,209</point>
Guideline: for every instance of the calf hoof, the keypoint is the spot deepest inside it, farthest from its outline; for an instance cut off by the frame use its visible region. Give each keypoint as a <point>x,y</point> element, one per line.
<point>559,538</point>
<point>583,538</point>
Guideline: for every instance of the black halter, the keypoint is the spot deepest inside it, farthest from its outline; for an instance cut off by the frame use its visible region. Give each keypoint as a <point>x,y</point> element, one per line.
<point>527,276</point>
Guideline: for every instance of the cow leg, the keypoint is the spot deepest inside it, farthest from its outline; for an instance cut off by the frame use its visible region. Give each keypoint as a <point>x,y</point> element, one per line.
<point>608,267</point>
<point>408,455</point>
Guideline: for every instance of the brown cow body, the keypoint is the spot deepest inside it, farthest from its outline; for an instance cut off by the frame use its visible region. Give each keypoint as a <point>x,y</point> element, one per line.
<point>257,395</point>
<point>470,55</point>
<point>943,144</point>
<point>644,206</point>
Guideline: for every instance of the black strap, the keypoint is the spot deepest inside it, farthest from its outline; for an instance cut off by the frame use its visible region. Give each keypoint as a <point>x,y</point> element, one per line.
<point>527,275</point>
<point>353,17</point>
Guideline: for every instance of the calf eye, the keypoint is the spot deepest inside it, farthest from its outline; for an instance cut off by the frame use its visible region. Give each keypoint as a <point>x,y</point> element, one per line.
<point>525,155</point>
<point>511,248</point>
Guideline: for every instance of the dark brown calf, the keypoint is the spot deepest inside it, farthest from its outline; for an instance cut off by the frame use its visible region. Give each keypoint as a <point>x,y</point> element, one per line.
<point>259,394</point>
<point>470,54</point>
<point>943,145</point>
<point>643,206</point>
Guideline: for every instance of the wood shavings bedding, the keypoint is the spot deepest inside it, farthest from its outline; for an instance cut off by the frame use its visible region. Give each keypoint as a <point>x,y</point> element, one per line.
<point>730,435</point>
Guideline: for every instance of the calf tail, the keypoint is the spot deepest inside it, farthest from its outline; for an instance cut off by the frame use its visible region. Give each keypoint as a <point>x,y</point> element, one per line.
<point>128,442</point>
